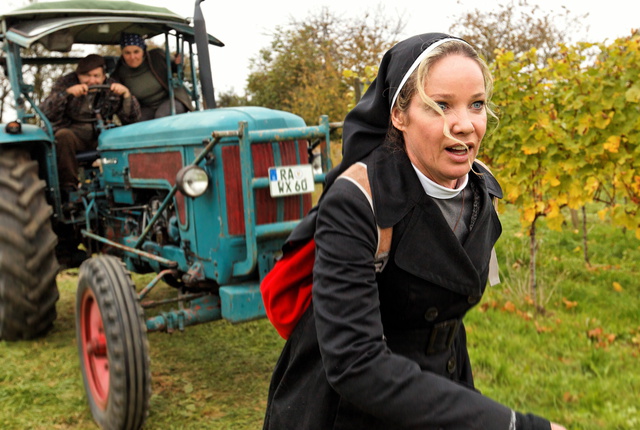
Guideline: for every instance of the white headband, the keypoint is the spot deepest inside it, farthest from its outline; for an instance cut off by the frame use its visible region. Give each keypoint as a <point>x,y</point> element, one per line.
<point>416,63</point>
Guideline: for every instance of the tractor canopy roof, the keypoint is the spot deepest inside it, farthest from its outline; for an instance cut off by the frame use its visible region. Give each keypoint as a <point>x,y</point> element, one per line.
<point>58,25</point>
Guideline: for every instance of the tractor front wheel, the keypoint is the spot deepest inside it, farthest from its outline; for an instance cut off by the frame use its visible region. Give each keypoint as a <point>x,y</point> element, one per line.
<point>112,344</point>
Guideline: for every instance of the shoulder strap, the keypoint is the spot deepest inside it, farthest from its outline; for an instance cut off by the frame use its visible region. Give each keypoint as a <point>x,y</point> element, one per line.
<point>494,269</point>
<point>357,173</point>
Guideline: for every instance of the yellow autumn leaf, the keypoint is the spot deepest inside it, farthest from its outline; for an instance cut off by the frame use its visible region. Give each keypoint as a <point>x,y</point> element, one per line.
<point>543,120</point>
<point>617,287</point>
<point>633,94</point>
<point>552,210</point>
<point>555,223</point>
<point>583,124</point>
<point>591,184</point>
<point>529,214</point>
<point>575,194</point>
<point>603,213</point>
<point>551,179</point>
<point>602,120</point>
<point>612,144</point>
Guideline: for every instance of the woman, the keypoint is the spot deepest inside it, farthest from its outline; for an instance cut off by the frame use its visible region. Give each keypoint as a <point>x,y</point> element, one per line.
<point>145,72</point>
<point>388,350</point>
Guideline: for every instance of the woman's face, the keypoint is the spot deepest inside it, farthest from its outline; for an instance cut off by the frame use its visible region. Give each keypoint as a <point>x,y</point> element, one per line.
<point>133,55</point>
<point>456,84</point>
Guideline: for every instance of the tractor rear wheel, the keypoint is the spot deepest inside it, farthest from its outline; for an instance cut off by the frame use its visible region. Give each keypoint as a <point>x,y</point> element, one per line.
<point>112,344</point>
<point>28,265</point>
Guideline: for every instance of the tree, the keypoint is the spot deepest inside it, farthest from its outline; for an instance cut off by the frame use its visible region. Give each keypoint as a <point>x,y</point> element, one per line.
<point>303,71</point>
<point>231,99</point>
<point>569,134</point>
<point>518,27</point>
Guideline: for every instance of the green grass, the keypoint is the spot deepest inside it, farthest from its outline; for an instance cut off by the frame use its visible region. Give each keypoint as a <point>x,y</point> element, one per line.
<point>575,362</point>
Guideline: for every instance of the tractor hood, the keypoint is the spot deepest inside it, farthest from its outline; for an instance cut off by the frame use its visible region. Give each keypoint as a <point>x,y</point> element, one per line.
<point>194,127</point>
<point>29,133</point>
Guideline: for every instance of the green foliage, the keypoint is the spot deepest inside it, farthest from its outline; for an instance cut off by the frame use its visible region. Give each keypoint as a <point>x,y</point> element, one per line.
<point>569,364</point>
<point>569,131</point>
<point>303,71</point>
<point>231,99</point>
<point>568,134</point>
<point>361,82</point>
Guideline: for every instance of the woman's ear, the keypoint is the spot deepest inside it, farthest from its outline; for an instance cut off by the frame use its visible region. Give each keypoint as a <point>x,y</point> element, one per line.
<point>398,119</point>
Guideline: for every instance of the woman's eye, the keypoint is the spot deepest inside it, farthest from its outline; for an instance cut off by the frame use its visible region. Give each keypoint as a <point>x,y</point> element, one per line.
<point>477,105</point>
<point>442,105</point>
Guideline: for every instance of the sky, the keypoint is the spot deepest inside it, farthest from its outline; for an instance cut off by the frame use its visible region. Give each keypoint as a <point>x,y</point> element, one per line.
<point>245,27</point>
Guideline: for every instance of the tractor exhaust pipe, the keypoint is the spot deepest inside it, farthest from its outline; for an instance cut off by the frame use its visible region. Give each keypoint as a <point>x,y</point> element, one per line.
<point>204,62</point>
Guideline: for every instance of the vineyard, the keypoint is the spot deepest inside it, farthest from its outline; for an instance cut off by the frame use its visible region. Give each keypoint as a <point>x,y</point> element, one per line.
<point>568,136</point>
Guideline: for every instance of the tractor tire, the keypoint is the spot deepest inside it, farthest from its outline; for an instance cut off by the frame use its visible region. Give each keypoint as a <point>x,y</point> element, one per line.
<point>112,344</point>
<point>28,265</point>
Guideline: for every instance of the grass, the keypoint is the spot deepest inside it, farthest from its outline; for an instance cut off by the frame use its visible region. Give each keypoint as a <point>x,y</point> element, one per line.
<point>576,362</point>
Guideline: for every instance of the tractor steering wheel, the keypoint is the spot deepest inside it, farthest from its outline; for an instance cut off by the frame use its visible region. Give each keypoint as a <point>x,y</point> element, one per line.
<point>100,87</point>
<point>98,102</point>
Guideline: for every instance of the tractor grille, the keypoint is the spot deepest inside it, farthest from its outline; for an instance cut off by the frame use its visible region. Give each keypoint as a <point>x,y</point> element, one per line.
<point>268,210</point>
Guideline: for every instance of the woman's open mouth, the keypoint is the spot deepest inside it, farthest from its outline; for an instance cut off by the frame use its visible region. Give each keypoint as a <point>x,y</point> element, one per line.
<point>459,150</point>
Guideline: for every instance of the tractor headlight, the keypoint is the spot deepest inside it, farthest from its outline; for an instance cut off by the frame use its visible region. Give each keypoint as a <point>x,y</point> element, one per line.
<point>192,181</point>
<point>14,127</point>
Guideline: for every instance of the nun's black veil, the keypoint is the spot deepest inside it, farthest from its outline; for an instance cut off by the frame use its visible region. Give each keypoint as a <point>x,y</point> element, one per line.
<point>366,125</point>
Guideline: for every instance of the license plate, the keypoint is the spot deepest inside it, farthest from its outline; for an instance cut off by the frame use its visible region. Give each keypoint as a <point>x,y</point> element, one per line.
<point>291,180</point>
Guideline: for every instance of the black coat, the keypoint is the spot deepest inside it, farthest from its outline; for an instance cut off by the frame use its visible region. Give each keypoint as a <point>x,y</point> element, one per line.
<point>389,351</point>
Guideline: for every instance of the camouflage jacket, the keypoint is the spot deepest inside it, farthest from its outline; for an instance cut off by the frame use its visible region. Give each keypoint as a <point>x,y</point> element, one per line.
<point>62,109</point>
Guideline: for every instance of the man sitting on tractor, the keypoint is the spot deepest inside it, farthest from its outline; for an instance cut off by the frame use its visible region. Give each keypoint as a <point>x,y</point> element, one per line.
<point>75,108</point>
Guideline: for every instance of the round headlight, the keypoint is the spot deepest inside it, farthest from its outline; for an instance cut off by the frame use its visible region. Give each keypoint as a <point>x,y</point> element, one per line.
<point>192,181</point>
<point>14,127</point>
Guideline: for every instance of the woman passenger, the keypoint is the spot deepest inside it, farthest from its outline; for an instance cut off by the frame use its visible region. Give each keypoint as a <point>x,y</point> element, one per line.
<point>145,73</point>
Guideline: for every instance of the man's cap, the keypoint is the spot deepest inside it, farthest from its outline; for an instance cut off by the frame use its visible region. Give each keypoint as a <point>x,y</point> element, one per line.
<point>90,62</point>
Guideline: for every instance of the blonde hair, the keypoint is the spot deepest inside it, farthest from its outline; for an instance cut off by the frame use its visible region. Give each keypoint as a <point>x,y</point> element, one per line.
<point>417,81</point>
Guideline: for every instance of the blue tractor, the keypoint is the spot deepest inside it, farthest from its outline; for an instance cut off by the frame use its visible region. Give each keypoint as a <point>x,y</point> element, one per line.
<point>202,199</point>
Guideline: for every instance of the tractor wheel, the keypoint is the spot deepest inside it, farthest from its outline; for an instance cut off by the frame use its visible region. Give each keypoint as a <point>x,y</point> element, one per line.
<point>28,265</point>
<point>112,344</point>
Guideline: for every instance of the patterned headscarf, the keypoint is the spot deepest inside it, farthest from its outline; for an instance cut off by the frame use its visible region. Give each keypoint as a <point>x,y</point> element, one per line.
<point>131,39</point>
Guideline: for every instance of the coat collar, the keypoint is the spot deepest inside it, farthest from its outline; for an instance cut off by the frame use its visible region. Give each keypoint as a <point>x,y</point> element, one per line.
<point>433,254</point>
<point>396,187</point>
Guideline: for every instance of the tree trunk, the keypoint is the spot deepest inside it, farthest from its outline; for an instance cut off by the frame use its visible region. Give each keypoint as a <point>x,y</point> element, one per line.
<point>532,265</point>
<point>585,239</point>
<point>575,219</point>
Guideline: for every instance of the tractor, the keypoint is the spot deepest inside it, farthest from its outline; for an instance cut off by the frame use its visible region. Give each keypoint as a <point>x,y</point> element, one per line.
<point>201,201</point>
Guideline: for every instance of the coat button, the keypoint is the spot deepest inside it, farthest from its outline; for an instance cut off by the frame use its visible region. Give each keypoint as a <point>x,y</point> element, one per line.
<point>451,365</point>
<point>431,314</point>
<point>473,299</point>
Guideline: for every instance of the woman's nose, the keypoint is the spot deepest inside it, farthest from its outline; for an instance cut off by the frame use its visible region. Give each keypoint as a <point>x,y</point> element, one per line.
<point>462,123</point>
